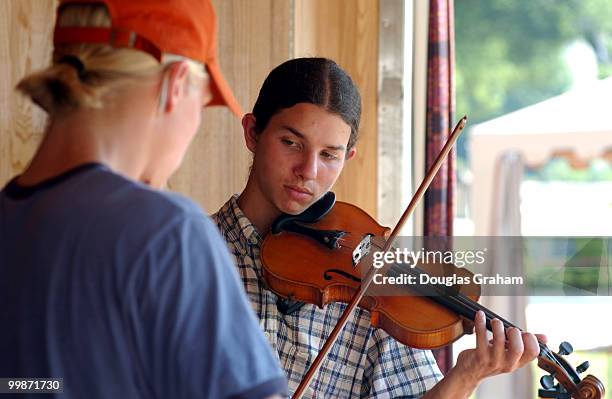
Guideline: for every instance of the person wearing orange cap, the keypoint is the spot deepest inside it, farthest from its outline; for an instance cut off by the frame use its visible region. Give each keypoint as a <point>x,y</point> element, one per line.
<point>109,285</point>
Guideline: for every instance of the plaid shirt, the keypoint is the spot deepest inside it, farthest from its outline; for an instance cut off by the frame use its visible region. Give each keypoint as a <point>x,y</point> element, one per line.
<point>365,362</point>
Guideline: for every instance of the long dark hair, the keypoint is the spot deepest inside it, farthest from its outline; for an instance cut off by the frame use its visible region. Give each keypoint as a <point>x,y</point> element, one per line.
<point>318,81</point>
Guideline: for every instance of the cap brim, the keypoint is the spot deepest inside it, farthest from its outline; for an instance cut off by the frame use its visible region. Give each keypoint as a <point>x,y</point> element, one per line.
<point>222,94</point>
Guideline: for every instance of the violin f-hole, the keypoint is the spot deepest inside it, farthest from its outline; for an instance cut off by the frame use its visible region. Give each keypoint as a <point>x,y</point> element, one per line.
<point>327,275</point>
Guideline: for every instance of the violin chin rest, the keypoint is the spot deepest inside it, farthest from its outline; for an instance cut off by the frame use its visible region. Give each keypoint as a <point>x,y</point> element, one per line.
<point>312,214</point>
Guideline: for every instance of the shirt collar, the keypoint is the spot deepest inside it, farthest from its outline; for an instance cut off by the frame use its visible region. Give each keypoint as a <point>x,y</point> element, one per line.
<point>239,228</point>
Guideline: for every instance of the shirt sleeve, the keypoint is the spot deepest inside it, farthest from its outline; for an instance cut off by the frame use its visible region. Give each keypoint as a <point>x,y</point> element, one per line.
<point>201,338</point>
<point>394,370</point>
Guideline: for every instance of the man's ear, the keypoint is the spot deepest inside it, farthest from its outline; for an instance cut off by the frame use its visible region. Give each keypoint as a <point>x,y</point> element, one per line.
<point>250,135</point>
<point>351,154</point>
<point>175,79</point>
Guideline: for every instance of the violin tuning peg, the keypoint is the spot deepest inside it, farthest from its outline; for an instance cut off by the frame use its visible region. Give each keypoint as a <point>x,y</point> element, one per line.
<point>583,367</point>
<point>565,348</point>
<point>547,381</point>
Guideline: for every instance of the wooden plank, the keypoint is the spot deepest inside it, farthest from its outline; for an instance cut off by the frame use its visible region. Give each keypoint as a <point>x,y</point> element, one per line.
<point>253,39</point>
<point>394,136</point>
<point>347,32</point>
<point>25,46</point>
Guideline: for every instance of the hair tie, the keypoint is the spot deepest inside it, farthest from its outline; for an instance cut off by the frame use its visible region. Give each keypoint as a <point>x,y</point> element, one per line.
<point>75,62</point>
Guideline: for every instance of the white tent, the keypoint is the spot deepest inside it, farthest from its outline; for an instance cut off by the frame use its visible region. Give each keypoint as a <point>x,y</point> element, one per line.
<point>578,121</point>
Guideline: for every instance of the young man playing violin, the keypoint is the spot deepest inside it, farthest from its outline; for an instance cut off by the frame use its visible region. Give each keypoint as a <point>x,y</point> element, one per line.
<point>302,130</point>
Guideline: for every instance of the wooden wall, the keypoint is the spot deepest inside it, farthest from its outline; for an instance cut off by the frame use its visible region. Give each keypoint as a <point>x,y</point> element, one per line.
<point>254,36</point>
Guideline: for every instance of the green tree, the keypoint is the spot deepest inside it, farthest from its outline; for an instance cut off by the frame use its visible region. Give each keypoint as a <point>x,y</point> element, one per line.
<point>509,53</point>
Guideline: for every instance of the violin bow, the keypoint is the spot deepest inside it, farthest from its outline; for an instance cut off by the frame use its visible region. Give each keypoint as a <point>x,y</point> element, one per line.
<point>416,198</point>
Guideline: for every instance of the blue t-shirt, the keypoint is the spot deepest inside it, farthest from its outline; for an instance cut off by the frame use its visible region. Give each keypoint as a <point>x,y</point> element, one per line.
<point>124,292</point>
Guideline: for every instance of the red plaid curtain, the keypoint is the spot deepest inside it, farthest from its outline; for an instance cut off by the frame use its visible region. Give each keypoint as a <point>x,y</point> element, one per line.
<point>440,112</point>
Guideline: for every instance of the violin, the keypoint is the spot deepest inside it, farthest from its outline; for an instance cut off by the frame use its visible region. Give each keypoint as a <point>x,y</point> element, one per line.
<point>323,255</point>
<point>313,262</point>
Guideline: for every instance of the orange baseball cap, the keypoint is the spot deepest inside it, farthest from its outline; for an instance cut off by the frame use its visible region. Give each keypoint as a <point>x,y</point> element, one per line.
<point>182,27</point>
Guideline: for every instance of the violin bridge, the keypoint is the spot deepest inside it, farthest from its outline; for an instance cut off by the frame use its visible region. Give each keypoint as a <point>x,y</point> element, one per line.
<point>363,249</point>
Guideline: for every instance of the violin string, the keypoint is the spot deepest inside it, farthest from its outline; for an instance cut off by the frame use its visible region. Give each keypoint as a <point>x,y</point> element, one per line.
<point>468,303</point>
<point>473,306</point>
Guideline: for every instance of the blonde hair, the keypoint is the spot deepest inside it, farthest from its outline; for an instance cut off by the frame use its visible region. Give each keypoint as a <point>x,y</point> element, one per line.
<point>62,88</point>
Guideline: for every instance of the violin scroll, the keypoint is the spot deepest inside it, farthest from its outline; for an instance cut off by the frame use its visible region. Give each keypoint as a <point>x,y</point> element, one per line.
<point>590,388</point>
<point>569,381</point>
